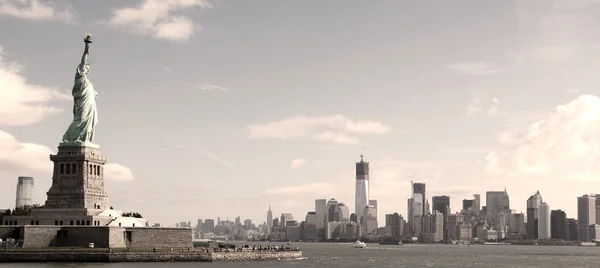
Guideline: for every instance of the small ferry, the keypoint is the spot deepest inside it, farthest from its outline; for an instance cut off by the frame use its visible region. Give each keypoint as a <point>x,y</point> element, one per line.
<point>360,244</point>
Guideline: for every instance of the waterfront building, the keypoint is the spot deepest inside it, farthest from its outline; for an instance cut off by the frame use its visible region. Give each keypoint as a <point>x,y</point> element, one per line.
<point>533,203</point>
<point>370,221</point>
<point>361,196</point>
<point>395,224</point>
<point>517,225</point>
<point>586,215</point>
<point>495,203</point>
<point>321,210</point>
<point>331,210</point>
<point>558,224</point>
<point>419,203</point>
<point>342,213</point>
<point>25,194</point>
<point>571,232</point>
<point>544,231</point>
<point>442,204</point>
<point>454,222</point>
<point>309,232</point>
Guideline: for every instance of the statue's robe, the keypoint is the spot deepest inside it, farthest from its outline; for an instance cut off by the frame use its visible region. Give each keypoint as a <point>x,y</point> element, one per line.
<point>85,115</point>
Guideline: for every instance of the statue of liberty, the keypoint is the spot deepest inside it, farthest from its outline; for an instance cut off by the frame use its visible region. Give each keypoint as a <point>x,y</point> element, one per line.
<point>85,115</point>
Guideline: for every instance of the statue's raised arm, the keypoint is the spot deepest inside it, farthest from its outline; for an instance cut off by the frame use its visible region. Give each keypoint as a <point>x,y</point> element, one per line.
<point>87,40</point>
<point>85,116</point>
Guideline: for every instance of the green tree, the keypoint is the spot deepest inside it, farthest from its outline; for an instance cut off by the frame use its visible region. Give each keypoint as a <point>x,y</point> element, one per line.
<point>24,210</point>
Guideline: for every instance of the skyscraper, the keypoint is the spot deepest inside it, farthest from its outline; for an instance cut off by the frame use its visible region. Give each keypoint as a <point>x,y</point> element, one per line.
<point>496,202</point>
<point>24,191</point>
<point>419,200</point>
<point>373,203</point>
<point>533,204</point>
<point>586,214</point>
<point>370,221</point>
<point>441,204</point>
<point>321,210</point>
<point>544,221</point>
<point>331,209</point>
<point>361,196</point>
<point>558,224</point>
<point>269,219</point>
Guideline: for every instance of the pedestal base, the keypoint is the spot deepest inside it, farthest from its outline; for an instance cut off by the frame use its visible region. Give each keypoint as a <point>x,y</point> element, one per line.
<point>78,144</point>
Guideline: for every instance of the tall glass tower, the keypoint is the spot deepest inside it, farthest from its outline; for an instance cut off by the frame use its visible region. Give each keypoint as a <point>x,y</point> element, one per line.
<point>362,189</point>
<point>24,191</point>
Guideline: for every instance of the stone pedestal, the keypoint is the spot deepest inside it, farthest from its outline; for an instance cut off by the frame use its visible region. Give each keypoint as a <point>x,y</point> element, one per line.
<point>78,180</point>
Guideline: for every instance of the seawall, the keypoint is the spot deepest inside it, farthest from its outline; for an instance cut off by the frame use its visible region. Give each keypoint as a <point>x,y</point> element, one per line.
<point>161,256</point>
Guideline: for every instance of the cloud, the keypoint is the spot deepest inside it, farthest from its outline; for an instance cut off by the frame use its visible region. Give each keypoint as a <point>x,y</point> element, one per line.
<point>493,110</point>
<point>208,87</point>
<point>22,103</point>
<point>565,144</point>
<point>117,172</point>
<point>159,19</point>
<point>298,162</point>
<point>337,137</point>
<point>35,10</point>
<point>476,106</point>
<point>24,158</point>
<point>319,188</point>
<point>185,146</point>
<point>323,128</point>
<point>474,68</point>
<point>17,157</point>
<point>216,158</point>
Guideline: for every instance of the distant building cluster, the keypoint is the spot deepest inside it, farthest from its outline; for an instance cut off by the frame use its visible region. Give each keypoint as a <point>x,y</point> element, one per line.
<point>425,221</point>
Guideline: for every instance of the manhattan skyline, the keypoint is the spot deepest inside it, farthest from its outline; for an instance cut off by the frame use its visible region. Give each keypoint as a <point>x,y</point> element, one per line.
<point>206,105</point>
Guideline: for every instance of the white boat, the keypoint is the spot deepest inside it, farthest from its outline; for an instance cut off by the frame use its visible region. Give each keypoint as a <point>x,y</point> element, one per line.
<point>360,244</point>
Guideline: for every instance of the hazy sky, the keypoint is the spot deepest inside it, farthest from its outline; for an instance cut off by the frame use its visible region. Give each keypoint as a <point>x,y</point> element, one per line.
<point>216,108</point>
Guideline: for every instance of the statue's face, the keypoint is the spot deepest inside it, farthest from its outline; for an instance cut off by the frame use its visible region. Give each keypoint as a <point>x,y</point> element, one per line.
<point>87,67</point>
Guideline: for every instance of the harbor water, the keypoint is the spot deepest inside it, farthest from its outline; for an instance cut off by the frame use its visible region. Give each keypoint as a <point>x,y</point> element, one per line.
<point>324,255</point>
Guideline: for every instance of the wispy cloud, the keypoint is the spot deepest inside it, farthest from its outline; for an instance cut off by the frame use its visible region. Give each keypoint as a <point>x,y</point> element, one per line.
<point>160,19</point>
<point>216,158</point>
<point>312,188</point>
<point>476,106</point>
<point>209,87</point>
<point>298,162</point>
<point>200,151</point>
<point>22,103</point>
<point>333,128</point>
<point>36,10</point>
<point>474,68</point>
